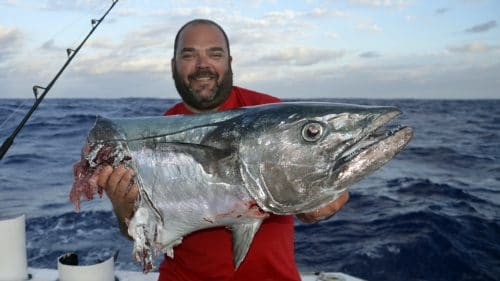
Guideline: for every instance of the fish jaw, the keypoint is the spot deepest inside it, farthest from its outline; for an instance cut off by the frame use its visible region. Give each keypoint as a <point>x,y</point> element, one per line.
<point>371,157</point>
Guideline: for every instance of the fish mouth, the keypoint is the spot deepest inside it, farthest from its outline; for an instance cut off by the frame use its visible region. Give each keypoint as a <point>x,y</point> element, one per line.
<point>379,142</point>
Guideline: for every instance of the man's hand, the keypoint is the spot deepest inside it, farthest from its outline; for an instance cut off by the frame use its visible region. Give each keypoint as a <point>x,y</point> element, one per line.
<point>325,212</point>
<point>121,191</point>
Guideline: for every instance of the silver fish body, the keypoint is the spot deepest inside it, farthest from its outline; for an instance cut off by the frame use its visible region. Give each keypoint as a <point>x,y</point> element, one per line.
<point>232,168</point>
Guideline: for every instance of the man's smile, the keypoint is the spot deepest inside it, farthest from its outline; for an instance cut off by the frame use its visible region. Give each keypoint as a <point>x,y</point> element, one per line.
<point>203,78</point>
<point>203,75</point>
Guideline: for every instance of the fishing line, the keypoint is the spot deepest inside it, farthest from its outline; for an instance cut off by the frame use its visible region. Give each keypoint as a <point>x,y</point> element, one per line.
<point>98,7</point>
<point>92,10</point>
<point>49,54</point>
<point>18,108</point>
<point>40,91</point>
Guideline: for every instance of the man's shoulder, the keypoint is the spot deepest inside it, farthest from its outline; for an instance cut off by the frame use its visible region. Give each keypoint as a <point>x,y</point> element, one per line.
<point>251,97</point>
<point>178,108</point>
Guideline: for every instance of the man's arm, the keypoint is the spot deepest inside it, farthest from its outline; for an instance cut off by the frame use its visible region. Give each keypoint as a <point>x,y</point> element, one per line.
<point>122,193</point>
<point>325,212</point>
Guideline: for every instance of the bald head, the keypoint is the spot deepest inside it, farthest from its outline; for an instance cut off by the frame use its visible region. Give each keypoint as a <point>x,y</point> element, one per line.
<point>200,22</point>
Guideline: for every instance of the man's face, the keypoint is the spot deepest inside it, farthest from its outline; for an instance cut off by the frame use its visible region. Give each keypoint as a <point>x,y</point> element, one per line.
<point>201,67</point>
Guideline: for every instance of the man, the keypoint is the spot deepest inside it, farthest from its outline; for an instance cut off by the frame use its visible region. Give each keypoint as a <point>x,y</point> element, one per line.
<point>201,69</point>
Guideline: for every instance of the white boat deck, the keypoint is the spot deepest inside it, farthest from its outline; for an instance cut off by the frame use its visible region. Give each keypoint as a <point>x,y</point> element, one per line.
<point>42,274</point>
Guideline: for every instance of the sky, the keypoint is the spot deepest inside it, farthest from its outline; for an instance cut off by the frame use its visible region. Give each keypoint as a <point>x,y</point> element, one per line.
<point>290,49</point>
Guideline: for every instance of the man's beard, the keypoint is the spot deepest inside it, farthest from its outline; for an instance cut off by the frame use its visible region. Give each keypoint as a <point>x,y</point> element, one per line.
<point>218,96</point>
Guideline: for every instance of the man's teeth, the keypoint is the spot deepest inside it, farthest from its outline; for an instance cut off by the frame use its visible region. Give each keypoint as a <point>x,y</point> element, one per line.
<point>203,78</point>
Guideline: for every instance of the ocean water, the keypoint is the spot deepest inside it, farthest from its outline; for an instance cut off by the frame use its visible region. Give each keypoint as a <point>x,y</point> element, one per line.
<point>432,213</point>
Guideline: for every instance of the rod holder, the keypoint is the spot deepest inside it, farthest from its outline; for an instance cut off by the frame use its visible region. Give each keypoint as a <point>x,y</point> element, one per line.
<point>69,269</point>
<point>13,261</point>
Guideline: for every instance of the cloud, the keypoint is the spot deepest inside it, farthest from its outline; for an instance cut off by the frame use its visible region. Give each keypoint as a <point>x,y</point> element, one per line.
<point>410,17</point>
<point>102,43</point>
<point>286,52</point>
<point>204,12</point>
<point>384,3</point>
<point>11,39</point>
<point>472,48</point>
<point>369,27</point>
<point>302,56</point>
<point>10,2</point>
<point>285,16</point>
<point>332,35</point>
<point>382,80</point>
<point>50,45</point>
<point>441,11</point>
<point>109,63</point>
<point>483,27</point>
<point>9,36</point>
<point>369,55</point>
<point>153,36</point>
<point>126,12</point>
<point>275,28</point>
<point>320,13</point>
<point>247,38</point>
<point>71,5</point>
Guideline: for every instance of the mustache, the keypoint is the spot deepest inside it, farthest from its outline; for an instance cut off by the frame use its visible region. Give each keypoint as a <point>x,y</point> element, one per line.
<point>203,73</point>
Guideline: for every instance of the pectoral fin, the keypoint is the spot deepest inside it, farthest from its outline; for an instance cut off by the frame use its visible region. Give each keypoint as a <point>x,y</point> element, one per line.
<point>242,238</point>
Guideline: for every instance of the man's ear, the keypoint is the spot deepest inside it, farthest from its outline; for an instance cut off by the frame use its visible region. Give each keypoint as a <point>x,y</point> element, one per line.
<point>172,66</point>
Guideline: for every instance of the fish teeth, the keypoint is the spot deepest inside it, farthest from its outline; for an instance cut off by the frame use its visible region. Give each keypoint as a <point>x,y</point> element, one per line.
<point>351,154</point>
<point>393,130</point>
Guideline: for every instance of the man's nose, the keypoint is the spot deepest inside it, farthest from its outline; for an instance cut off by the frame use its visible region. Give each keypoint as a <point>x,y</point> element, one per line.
<point>202,60</point>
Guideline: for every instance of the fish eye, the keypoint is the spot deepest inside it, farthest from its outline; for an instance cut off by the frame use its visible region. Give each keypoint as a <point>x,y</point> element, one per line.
<point>312,132</point>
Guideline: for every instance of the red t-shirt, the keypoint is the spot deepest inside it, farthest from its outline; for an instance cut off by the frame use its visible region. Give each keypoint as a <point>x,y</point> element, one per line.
<point>207,254</point>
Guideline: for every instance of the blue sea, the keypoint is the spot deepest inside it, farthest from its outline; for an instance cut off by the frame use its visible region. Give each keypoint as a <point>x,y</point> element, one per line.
<point>433,213</point>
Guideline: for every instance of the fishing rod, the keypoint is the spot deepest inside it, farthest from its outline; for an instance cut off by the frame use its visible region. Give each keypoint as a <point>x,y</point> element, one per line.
<point>39,96</point>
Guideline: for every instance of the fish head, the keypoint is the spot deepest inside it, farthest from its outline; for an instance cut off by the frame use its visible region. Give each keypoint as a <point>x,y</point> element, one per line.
<point>298,158</point>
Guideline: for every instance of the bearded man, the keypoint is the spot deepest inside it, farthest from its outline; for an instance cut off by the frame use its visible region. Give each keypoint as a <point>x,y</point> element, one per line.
<point>201,69</point>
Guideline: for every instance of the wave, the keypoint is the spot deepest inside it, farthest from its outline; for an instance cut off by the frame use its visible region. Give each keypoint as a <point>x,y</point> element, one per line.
<point>92,235</point>
<point>449,157</point>
<point>420,245</point>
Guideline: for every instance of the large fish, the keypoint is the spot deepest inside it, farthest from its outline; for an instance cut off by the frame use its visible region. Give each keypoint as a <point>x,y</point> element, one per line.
<point>232,168</point>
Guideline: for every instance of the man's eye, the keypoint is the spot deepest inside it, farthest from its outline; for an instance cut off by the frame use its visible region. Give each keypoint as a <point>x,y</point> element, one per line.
<point>216,55</point>
<point>187,56</point>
